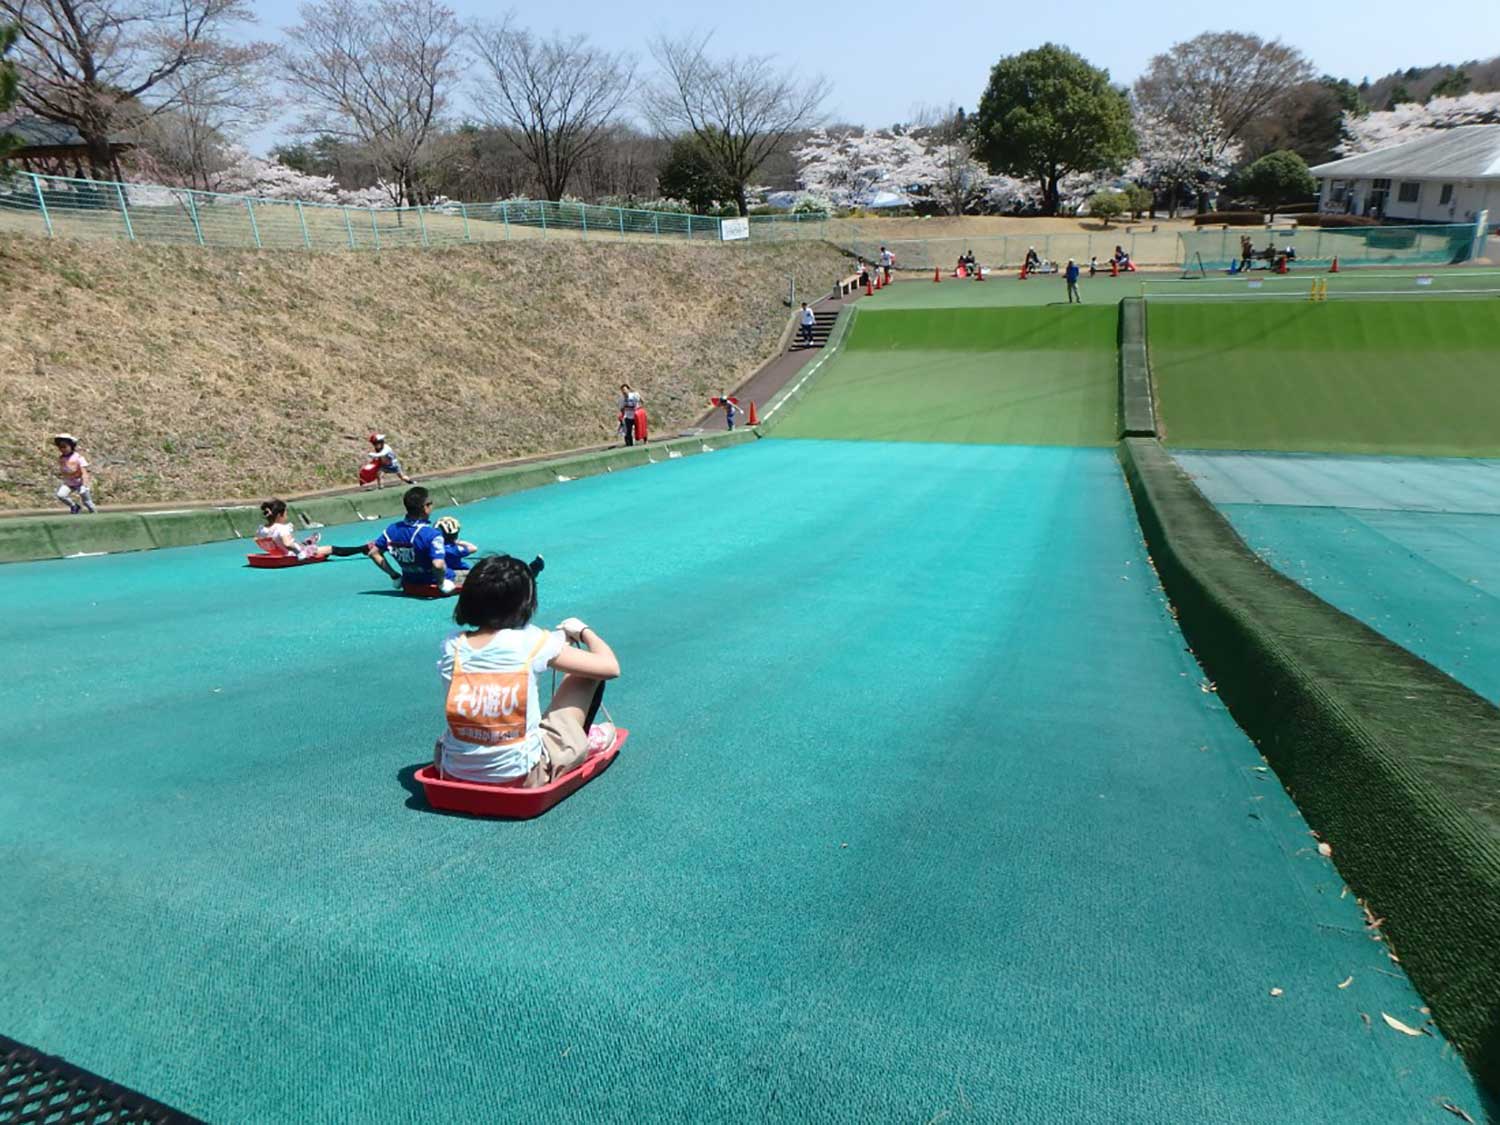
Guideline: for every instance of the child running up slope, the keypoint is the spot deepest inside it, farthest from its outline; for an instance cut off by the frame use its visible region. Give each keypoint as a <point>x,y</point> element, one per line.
<point>73,468</point>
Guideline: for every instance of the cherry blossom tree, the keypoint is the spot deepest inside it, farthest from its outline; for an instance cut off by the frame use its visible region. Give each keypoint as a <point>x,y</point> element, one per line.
<point>1185,149</point>
<point>1411,120</point>
<point>855,167</point>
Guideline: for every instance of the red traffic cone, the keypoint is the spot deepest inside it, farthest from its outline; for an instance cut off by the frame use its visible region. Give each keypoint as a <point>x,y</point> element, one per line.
<point>869,288</point>
<point>1114,268</point>
<point>877,279</point>
<point>1335,267</point>
<point>1024,272</point>
<point>978,273</point>
<point>937,274</point>
<point>754,417</point>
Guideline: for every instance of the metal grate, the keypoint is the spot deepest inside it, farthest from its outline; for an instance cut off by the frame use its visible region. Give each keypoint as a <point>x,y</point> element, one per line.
<point>38,1089</point>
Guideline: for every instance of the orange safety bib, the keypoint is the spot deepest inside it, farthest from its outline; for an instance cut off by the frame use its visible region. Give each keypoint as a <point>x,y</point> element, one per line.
<point>489,708</point>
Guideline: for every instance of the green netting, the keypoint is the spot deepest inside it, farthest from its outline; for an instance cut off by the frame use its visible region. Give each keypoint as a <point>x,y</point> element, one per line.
<point>923,813</point>
<point>1389,759</point>
<point>1430,244</point>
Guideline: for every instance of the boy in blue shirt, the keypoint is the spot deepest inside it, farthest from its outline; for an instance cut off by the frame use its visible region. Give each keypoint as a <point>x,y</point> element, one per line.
<point>1071,276</point>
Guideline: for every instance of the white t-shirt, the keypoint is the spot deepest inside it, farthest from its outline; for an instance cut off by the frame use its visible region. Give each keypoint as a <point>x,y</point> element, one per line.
<point>273,538</point>
<point>808,317</point>
<point>70,467</point>
<point>886,258</point>
<point>506,652</point>
<point>631,401</point>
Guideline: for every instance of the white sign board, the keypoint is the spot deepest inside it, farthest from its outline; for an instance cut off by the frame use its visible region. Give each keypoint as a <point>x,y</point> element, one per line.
<point>731,230</point>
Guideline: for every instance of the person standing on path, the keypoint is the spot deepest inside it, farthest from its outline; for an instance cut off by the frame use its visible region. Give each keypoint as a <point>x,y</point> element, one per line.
<point>887,260</point>
<point>1071,275</point>
<point>805,320</point>
<point>630,402</point>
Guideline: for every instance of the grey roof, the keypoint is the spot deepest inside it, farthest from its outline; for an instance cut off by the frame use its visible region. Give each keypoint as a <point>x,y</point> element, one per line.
<point>36,132</point>
<point>1467,152</point>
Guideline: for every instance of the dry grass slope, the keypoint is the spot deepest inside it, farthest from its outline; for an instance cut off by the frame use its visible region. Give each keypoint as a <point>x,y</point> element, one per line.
<point>195,374</point>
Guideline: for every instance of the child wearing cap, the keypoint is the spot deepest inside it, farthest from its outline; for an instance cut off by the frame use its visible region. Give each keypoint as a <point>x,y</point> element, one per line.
<point>385,461</point>
<point>456,551</point>
<point>73,468</point>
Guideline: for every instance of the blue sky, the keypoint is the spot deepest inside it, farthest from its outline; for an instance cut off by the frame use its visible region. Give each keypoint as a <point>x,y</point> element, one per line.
<point>887,57</point>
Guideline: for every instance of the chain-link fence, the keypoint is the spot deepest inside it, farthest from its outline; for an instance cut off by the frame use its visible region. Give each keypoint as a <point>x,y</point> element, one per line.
<point>1423,245</point>
<point>60,207</point>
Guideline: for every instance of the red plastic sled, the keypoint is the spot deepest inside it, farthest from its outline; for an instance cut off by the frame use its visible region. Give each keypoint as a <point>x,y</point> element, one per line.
<point>264,561</point>
<point>368,472</point>
<point>717,401</point>
<point>509,803</point>
<point>640,424</point>
<point>427,591</point>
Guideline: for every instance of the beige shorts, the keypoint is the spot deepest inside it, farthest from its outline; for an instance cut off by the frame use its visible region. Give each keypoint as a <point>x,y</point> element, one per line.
<point>565,744</point>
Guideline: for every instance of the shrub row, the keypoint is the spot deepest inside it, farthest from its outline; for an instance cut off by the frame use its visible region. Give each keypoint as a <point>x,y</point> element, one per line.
<point>1230,218</point>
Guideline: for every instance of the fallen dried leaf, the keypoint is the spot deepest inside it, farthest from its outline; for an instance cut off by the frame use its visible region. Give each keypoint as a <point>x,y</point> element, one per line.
<point>1347,981</point>
<point>1366,1017</point>
<point>1325,850</point>
<point>1392,1022</point>
<point>1343,892</point>
<point>1275,992</point>
<point>1394,958</point>
<point>1453,1109</point>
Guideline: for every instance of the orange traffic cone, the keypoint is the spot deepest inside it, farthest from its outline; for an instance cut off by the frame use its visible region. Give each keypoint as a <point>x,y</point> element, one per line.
<point>1024,272</point>
<point>754,417</point>
<point>869,288</point>
<point>1335,267</point>
<point>937,274</point>
<point>1114,268</point>
<point>978,273</point>
<point>877,279</point>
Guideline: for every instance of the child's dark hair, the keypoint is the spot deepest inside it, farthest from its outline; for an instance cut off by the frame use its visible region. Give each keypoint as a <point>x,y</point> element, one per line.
<point>499,593</point>
<point>273,510</point>
<point>415,499</point>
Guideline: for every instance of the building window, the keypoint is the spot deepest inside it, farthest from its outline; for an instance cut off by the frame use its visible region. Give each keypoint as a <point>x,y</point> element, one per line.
<point>1447,196</point>
<point>1339,191</point>
<point>1410,190</point>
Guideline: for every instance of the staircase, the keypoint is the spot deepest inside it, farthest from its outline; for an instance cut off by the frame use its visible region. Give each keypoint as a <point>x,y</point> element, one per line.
<point>822,326</point>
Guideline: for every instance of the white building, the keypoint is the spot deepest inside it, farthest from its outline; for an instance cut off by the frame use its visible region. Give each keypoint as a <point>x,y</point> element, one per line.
<point>1449,176</point>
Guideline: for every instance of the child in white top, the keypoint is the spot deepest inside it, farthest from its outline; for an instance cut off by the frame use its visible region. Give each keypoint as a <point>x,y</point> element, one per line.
<point>276,536</point>
<point>497,732</point>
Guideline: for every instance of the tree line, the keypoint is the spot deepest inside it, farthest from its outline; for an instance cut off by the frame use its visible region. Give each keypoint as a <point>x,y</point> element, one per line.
<point>379,85</point>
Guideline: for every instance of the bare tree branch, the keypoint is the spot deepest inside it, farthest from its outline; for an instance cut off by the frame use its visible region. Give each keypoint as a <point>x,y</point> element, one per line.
<point>741,108</point>
<point>105,66</point>
<point>557,98</point>
<point>1237,77</point>
<point>378,74</point>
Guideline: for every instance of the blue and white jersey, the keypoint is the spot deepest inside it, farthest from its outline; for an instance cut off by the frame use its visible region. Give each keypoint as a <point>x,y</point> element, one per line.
<point>416,545</point>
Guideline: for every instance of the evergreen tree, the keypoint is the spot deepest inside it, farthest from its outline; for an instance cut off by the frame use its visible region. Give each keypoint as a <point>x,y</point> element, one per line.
<point>1046,113</point>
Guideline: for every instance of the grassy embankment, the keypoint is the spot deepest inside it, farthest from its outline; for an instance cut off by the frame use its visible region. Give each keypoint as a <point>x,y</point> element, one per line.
<point>195,374</point>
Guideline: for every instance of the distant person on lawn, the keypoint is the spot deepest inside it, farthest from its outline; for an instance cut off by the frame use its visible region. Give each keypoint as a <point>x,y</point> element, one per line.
<point>73,468</point>
<point>1071,276</point>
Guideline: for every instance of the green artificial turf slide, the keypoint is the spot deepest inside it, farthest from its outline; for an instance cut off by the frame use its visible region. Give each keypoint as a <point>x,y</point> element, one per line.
<point>1410,377</point>
<point>1021,376</point>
